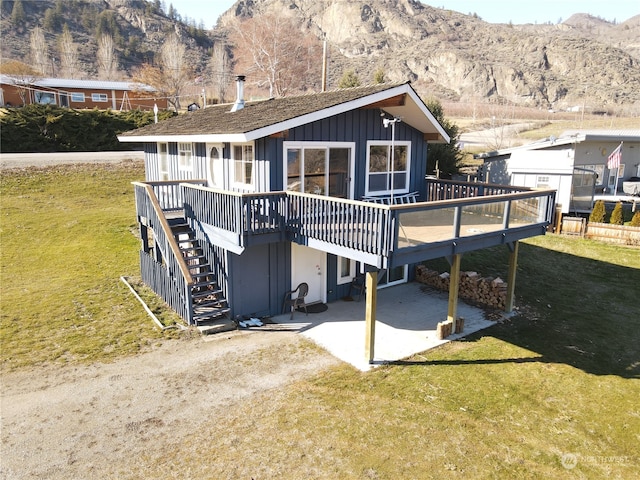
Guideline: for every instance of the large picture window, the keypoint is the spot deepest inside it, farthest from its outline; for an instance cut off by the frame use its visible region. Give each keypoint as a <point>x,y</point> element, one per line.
<point>45,98</point>
<point>243,165</point>
<point>383,175</point>
<point>319,168</point>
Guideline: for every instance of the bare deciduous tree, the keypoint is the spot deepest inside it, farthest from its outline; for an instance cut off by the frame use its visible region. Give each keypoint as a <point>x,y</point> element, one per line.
<point>23,76</point>
<point>220,67</point>
<point>284,56</point>
<point>174,69</point>
<point>106,57</point>
<point>69,65</point>
<point>39,51</point>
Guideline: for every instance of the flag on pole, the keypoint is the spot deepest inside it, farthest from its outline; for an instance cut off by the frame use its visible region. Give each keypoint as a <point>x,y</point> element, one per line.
<point>613,162</point>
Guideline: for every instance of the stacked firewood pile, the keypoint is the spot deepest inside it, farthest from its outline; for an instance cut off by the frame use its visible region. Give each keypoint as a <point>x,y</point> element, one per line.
<point>488,291</point>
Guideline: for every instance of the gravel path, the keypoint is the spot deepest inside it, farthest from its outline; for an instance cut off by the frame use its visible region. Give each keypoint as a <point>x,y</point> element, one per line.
<point>96,421</point>
<point>23,160</point>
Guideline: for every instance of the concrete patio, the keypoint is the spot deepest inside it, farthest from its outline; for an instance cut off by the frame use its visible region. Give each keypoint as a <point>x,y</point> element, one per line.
<point>406,320</point>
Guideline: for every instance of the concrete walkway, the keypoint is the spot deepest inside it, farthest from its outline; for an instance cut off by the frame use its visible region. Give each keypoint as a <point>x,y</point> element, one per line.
<point>406,320</point>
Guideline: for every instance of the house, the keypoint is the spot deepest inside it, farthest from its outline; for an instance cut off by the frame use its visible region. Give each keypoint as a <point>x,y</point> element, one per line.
<point>79,93</point>
<point>244,202</point>
<point>575,164</point>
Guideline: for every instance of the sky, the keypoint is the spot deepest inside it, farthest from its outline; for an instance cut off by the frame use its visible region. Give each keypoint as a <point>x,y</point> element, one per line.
<point>493,11</point>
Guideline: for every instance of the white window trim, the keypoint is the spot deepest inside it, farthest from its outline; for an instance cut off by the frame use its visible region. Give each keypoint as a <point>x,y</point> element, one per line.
<point>404,279</point>
<point>99,97</point>
<point>185,163</point>
<point>77,97</point>
<point>214,181</point>
<point>235,183</point>
<point>352,271</point>
<point>378,193</point>
<point>163,173</point>
<point>302,145</point>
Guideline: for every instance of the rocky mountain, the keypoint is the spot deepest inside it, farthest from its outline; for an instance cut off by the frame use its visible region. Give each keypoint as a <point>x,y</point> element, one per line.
<point>138,28</point>
<point>583,61</point>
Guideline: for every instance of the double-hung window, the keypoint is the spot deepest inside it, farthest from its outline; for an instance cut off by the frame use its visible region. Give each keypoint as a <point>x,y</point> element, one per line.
<point>185,156</point>
<point>77,97</point>
<point>387,167</point>
<point>243,165</point>
<point>99,97</point>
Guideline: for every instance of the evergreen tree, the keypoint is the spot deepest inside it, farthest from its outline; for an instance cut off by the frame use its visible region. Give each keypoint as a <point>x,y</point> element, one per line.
<point>17,13</point>
<point>635,221</point>
<point>598,213</point>
<point>349,79</point>
<point>378,76</point>
<point>617,216</point>
<point>443,158</point>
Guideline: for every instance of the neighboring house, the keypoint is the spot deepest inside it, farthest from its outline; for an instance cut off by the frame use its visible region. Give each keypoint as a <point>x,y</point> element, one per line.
<point>79,93</point>
<point>242,203</point>
<point>574,164</point>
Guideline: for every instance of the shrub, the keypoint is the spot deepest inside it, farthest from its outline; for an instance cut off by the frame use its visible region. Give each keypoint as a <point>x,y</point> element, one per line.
<point>598,213</point>
<point>635,220</point>
<point>617,216</point>
<point>48,128</point>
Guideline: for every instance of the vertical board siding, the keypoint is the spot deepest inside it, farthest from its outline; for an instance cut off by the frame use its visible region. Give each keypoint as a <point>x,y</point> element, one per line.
<point>358,126</point>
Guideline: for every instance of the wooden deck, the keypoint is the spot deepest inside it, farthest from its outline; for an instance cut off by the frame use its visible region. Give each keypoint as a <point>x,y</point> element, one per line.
<point>458,217</point>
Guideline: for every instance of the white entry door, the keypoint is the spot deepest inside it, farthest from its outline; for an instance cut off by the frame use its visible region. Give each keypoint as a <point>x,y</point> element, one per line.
<point>309,265</point>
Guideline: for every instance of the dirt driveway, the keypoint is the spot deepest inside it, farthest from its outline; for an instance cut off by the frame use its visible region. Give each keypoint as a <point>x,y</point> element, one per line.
<point>98,421</point>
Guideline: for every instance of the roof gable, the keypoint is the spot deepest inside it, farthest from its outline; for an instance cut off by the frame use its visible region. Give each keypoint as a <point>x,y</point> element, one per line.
<point>262,118</point>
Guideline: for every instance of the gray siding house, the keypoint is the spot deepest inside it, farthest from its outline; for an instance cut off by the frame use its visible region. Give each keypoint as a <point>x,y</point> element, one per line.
<point>575,164</point>
<point>243,202</point>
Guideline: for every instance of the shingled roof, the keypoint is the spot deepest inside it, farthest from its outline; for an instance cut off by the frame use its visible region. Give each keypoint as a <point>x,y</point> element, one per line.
<point>262,118</point>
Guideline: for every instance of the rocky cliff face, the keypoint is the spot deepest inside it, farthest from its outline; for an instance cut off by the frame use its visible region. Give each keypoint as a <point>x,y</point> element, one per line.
<point>582,61</point>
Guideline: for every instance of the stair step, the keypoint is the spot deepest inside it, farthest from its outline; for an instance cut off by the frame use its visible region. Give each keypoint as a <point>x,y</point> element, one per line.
<point>202,274</point>
<point>200,265</point>
<point>186,240</point>
<point>218,303</point>
<point>203,284</point>
<point>205,293</point>
<point>213,313</point>
<point>194,257</point>
<point>191,248</point>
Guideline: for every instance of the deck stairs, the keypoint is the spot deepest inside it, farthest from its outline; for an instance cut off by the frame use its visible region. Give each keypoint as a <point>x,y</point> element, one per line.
<point>210,308</point>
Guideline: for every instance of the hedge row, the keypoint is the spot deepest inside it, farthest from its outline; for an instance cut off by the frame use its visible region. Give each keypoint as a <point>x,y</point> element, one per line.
<point>48,128</point>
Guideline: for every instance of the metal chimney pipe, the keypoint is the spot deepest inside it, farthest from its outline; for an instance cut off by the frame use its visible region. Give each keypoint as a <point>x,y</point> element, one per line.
<point>239,104</point>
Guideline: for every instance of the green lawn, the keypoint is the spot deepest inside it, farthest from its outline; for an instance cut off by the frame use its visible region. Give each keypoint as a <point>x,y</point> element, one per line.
<point>556,386</point>
<point>67,235</point>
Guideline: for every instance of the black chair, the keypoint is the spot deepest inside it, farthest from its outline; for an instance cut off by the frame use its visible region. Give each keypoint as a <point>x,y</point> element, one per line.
<point>358,284</point>
<point>295,299</point>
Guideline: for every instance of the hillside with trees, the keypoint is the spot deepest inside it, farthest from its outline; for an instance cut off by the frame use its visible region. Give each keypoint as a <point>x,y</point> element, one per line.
<point>583,62</point>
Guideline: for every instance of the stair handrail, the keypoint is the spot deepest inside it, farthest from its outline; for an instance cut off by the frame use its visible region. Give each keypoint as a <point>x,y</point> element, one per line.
<point>166,228</point>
